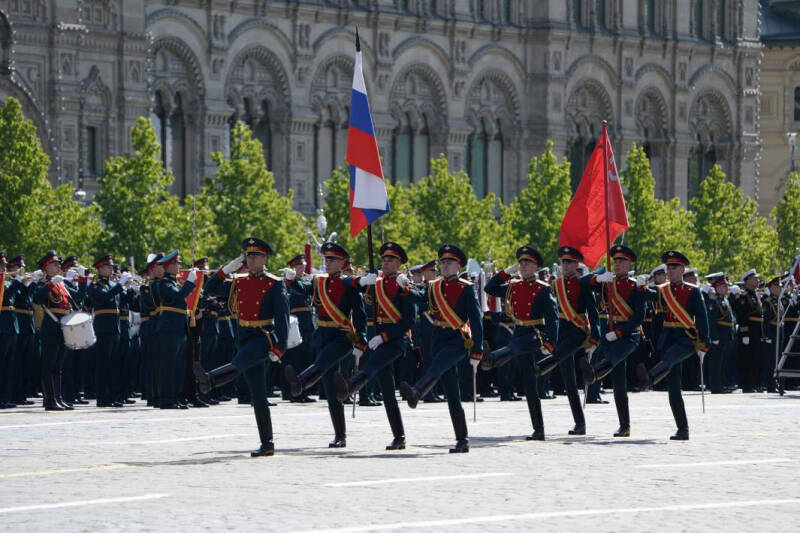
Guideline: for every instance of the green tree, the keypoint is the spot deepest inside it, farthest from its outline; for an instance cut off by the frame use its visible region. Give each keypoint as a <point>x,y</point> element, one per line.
<point>241,201</point>
<point>399,225</point>
<point>36,217</point>
<point>787,220</point>
<point>534,216</point>
<point>729,229</point>
<point>448,211</point>
<point>655,225</point>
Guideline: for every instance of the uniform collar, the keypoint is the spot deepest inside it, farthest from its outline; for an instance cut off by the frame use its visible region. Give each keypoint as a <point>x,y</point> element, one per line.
<point>451,278</point>
<point>532,277</point>
<point>335,275</point>
<point>676,283</point>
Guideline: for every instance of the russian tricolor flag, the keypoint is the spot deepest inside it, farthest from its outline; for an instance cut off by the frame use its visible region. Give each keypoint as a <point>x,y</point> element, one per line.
<point>368,198</point>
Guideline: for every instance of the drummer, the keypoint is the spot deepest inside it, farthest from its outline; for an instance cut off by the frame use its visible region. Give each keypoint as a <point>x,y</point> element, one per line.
<point>105,297</point>
<point>58,300</point>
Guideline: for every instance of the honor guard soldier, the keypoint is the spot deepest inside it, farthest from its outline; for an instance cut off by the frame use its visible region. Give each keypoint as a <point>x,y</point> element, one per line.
<point>394,311</point>
<point>748,308</point>
<point>625,304</point>
<point>9,328</point>
<point>58,300</point>
<point>171,328</point>
<point>300,306</point>
<point>457,333</point>
<point>105,295</point>
<point>721,330</point>
<point>145,305</point>
<point>341,330</point>
<point>263,308</point>
<point>577,328</point>
<point>685,333</point>
<point>529,301</point>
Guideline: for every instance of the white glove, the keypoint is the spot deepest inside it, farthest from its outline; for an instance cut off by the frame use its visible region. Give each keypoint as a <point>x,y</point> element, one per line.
<point>701,355</point>
<point>123,279</point>
<point>474,363</point>
<point>289,274</point>
<point>26,280</point>
<point>605,277</point>
<point>641,281</point>
<point>715,342</point>
<point>37,276</point>
<point>71,273</point>
<point>234,265</point>
<point>191,277</point>
<point>56,279</point>
<point>357,353</point>
<point>590,350</point>
<point>367,279</point>
<point>18,277</point>
<point>544,350</point>
<point>745,340</point>
<point>769,341</point>
<point>705,288</point>
<point>375,341</point>
<point>402,281</point>
<point>611,336</point>
<point>511,269</point>
<point>274,357</point>
<point>735,290</point>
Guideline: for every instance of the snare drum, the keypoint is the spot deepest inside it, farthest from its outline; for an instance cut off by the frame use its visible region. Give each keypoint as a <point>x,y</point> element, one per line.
<point>78,331</point>
<point>295,338</point>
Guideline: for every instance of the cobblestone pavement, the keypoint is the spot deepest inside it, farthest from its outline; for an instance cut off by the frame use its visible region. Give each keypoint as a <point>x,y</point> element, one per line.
<point>143,469</point>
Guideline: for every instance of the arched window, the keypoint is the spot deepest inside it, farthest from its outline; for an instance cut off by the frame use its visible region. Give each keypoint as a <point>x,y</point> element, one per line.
<point>160,124</point>
<point>176,155</point>
<point>701,158</point>
<point>401,150</point>
<point>720,12</point>
<point>421,150</point>
<point>477,155</point>
<point>797,103</point>
<point>601,14</point>
<point>699,19</point>
<point>262,132</point>
<point>494,162</point>
<point>577,13</point>
<point>650,17</point>
<point>578,153</point>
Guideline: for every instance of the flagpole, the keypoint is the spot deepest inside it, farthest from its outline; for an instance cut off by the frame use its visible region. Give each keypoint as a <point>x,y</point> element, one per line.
<point>605,188</point>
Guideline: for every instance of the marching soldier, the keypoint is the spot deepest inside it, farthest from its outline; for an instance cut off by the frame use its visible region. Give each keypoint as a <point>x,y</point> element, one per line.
<point>685,333</point>
<point>58,300</point>
<point>457,333</point>
<point>336,297</point>
<point>625,304</point>
<point>171,328</point>
<point>530,303</point>
<point>146,306</point>
<point>263,308</point>
<point>394,313</point>
<point>9,328</point>
<point>105,298</point>
<point>24,358</point>
<point>577,328</point>
<point>722,330</point>
<point>300,306</point>
<point>749,311</point>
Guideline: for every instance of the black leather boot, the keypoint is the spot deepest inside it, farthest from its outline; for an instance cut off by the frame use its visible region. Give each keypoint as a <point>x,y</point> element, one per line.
<point>339,427</point>
<point>577,414</point>
<point>420,389</point>
<point>460,426</point>
<point>396,423</point>
<point>535,410</point>
<point>305,380</point>
<point>621,402</point>
<point>594,372</point>
<point>264,423</point>
<point>679,413</point>
<point>497,358</point>
<point>649,378</point>
<point>222,375</point>
<point>58,397</point>
<point>546,365</point>
<point>49,395</point>
<point>346,387</point>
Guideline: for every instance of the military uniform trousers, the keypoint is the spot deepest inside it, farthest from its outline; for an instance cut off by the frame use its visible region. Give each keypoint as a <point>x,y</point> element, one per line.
<point>677,347</point>
<point>570,340</point>
<point>332,347</point>
<point>448,349</point>
<point>715,362</point>
<point>617,353</point>
<point>8,344</point>
<point>24,366</point>
<point>172,348</point>
<point>748,361</point>
<point>381,364</point>
<point>53,352</point>
<point>252,362</point>
<point>108,363</point>
<point>525,352</point>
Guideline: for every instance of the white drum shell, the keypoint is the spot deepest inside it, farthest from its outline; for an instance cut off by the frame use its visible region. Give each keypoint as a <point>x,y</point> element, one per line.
<point>78,330</point>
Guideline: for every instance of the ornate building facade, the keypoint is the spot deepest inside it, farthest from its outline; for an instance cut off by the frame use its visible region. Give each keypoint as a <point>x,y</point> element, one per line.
<point>485,82</point>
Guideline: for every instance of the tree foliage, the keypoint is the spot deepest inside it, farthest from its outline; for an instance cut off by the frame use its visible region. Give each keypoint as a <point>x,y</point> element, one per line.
<point>787,220</point>
<point>534,215</point>
<point>241,201</point>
